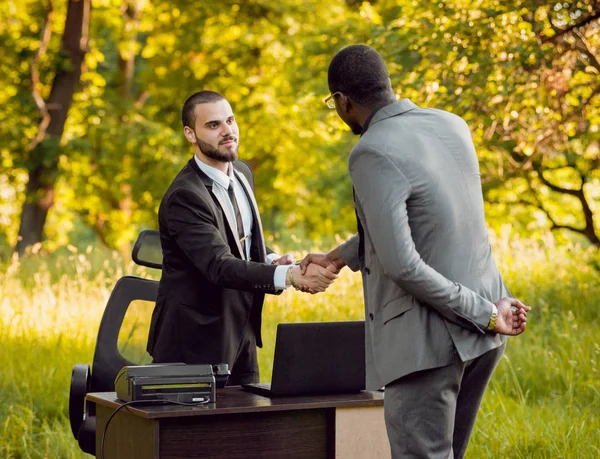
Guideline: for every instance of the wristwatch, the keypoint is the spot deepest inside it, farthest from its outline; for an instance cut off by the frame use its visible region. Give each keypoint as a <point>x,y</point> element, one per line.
<point>493,319</point>
<point>289,277</point>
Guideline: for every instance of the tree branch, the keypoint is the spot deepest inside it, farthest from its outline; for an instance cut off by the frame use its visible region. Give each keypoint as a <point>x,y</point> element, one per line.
<point>594,93</point>
<point>581,23</point>
<point>587,50</point>
<point>35,78</point>
<point>553,224</point>
<point>141,99</point>
<point>558,189</point>
<point>588,230</point>
<point>568,227</point>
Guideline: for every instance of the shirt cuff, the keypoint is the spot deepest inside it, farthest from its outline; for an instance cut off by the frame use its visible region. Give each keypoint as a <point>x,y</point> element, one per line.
<point>279,277</point>
<point>271,257</point>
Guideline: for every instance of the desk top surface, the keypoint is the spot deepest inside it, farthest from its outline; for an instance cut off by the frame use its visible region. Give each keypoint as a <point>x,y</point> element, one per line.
<point>232,400</point>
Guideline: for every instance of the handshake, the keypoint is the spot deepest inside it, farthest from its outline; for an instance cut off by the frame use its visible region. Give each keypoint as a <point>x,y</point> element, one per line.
<point>314,273</point>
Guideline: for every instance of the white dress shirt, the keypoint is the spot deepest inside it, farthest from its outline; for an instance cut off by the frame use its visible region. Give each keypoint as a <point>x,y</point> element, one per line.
<point>221,183</point>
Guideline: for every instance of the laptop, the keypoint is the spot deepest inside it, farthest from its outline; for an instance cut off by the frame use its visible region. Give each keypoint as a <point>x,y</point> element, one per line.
<point>316,358</point>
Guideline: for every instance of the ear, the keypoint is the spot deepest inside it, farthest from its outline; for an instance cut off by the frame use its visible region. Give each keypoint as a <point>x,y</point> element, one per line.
<point>189,134</point>
<point>345,103</point>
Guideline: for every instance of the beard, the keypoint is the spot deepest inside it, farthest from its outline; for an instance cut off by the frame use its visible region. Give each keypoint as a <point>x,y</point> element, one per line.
<point>356,128</point>
<point>225,156</point>
<point>354,125</point>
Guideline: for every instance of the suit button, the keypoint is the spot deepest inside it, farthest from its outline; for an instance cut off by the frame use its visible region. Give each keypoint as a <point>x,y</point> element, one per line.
<point>371,315</point>
<point>368,271</point>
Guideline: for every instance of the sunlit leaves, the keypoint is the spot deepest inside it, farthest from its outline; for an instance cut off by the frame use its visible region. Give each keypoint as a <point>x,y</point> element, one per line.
<point>532,101</point>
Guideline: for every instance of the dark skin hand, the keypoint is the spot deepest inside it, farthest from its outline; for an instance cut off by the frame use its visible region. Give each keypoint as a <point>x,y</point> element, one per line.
<point>512,317</point>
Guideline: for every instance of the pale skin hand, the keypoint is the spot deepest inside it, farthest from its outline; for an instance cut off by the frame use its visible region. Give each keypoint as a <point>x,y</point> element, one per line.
<point>286,259</point>
<point>512,317</point>
<point>315,279</point>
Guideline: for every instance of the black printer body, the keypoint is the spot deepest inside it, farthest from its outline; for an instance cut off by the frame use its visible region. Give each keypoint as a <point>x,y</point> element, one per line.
<point>171,382</point>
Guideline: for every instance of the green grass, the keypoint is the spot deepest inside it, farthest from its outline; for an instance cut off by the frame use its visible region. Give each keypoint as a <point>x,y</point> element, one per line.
<point>543,401</point>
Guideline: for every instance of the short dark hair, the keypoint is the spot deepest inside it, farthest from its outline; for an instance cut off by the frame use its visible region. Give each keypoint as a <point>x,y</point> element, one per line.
<point>188,117</point>
<point>358,71</point>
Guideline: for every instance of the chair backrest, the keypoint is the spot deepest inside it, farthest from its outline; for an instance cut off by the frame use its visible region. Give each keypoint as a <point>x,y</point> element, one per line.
<point>147,250</point>
<point>107,359</point>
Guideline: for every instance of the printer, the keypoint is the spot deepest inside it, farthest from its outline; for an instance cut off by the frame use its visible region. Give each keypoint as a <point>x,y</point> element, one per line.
<point>171,382</point>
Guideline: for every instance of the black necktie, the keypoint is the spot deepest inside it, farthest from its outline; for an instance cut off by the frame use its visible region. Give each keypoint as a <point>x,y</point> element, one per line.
<point>238,218</point>
<point>361,232</point>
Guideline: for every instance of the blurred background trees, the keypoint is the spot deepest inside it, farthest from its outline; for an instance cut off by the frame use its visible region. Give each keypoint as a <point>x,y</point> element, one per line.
<point>89,162</point>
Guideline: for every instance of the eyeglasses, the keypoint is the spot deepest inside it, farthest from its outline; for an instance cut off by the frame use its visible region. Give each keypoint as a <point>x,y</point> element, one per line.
<point>330,101</point>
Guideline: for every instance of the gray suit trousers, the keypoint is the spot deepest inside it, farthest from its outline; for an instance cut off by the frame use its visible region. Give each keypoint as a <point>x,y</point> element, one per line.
<point>431,413</point>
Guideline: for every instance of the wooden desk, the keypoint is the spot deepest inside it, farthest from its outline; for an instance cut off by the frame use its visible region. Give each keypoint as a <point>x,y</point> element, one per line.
<point>244,425</point>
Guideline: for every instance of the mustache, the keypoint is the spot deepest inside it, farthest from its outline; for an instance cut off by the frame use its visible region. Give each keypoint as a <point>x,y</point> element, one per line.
<point>227,139</point>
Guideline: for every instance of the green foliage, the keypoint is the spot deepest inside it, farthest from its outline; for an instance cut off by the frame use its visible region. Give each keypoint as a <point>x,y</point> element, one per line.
<point>526,78</point>
<point>543,400</point>
<point>521,74</point>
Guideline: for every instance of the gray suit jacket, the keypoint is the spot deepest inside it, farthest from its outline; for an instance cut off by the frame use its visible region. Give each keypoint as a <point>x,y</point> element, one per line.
<point>429,277</point>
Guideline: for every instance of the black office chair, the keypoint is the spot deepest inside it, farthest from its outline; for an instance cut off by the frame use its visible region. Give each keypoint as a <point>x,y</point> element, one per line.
<point>107,359</point>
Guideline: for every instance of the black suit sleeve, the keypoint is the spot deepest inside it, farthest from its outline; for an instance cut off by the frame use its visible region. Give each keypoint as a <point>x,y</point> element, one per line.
<point>192,226</point>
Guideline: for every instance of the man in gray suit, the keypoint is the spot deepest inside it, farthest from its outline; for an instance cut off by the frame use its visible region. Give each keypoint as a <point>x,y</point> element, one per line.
<point>436,309</point>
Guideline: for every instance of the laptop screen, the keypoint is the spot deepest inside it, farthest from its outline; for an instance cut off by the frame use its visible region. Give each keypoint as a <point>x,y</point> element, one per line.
<point>319,357</point>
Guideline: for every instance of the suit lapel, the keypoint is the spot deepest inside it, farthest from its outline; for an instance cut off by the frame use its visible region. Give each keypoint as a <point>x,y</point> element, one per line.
<point>231,224</point>
<point>257,225</point>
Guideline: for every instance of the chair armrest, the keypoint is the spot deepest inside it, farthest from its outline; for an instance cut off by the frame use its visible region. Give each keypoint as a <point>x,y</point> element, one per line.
<point>80,386</point>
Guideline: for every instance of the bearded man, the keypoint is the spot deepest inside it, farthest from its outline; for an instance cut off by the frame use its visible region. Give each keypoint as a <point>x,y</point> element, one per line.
<point>216,268</point>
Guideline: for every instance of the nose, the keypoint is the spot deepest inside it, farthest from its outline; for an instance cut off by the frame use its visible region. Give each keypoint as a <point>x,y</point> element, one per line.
<point>227,130</point>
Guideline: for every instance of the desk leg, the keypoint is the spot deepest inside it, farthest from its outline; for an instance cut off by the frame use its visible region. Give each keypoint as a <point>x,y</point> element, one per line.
<point>360,433</point>
<point>128,436</point>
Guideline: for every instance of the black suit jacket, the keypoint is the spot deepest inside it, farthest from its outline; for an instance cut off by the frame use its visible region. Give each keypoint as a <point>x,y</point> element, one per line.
<point>208,291</point>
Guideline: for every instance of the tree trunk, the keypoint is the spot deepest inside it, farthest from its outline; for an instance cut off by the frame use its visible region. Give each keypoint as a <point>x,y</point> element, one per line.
<point>43,171</point>
<point>131,17</point>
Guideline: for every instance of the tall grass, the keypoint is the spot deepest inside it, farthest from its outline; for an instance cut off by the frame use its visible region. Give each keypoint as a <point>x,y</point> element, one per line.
<point>543,401</point>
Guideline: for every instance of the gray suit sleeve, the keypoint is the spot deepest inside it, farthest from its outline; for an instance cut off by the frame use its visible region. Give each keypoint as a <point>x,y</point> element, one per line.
<point>349,253</point>
<point>383,191</point>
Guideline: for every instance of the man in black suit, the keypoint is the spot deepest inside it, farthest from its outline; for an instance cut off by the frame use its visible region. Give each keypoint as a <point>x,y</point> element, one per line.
<point>216,267</point>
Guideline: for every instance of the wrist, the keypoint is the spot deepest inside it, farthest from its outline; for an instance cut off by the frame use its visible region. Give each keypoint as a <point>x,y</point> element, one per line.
<point>335,258</point>
<point>289,277</point>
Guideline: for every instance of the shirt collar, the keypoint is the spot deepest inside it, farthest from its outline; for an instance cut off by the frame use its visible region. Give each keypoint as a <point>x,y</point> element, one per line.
<point>215,174</point>
<point>369,119</point>
<point>367,122</point>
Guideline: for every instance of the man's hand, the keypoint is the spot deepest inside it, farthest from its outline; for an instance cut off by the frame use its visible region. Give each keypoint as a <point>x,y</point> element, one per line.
<point>330,260</point>
<point>512,317</point>
<point>315,279</point>
<point>286,259</point>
